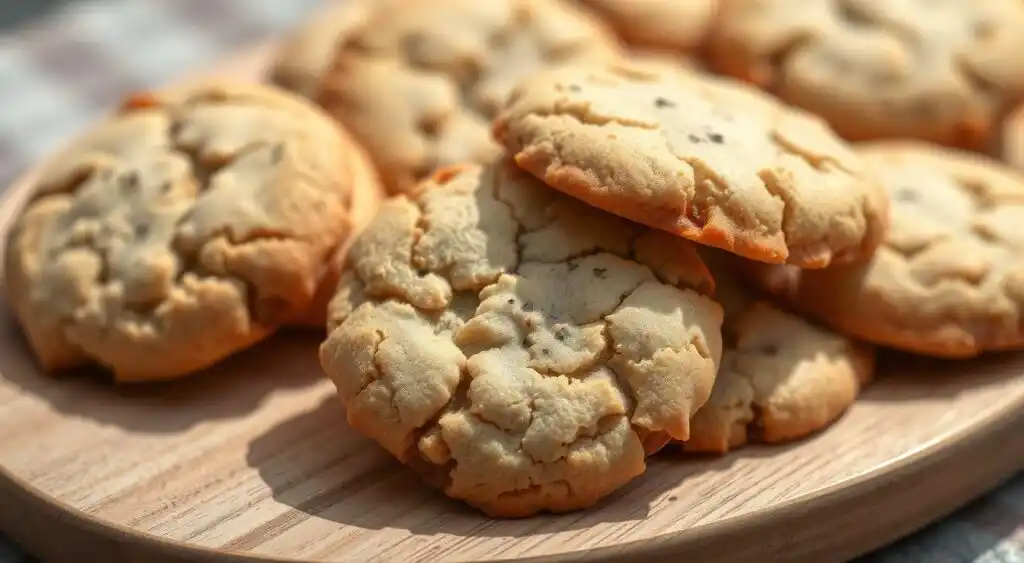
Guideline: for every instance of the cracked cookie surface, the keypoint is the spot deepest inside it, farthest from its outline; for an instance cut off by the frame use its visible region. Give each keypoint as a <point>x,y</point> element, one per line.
<point>182,228</point>
<point>679,26</point>
<point>948,280</point>
<point>520,349</point>
<point>305,55</point>
<point>421,81</point>
<point>709,159</point>
<point>945,72</point>
<point>782,377</point>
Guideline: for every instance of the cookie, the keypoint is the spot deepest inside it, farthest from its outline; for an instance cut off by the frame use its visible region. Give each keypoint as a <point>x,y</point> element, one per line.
<point>681,27</point>
<point>305,55</point>
<point>782,377</point>
<point>523,351</point>
<point>1011,148</point>
<point>421,81</point>
<point>186,226</point>
<point>948,281</point>
<point>709,159</point>
<point>945,72</point>
<point>367,194</point>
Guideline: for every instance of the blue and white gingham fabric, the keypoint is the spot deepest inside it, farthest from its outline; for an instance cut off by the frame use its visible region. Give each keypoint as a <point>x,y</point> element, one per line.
<point>58,74</point>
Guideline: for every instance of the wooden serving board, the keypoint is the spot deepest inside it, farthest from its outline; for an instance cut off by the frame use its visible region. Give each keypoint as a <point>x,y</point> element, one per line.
<point>253,461</point>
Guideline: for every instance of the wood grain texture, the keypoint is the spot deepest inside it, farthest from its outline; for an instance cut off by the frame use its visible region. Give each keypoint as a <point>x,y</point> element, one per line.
<point>253,460</point>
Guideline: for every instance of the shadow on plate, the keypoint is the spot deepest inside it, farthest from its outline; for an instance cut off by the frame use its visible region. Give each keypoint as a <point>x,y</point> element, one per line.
<point>903,377</point>
<point>318,465</point>
<point>231,389</point>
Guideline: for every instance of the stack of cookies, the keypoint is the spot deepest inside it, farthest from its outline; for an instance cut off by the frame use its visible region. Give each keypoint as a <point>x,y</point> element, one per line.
<point>546,240</point>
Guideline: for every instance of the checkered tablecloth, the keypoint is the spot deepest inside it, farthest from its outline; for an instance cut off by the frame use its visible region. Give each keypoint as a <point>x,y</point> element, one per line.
<point>59,73</point>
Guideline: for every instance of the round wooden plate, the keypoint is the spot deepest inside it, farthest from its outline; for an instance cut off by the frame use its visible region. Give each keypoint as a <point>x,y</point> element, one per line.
<point>253,460</point>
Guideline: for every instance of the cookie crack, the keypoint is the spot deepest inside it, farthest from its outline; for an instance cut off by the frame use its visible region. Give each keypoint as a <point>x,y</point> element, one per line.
<point>134,275</point>
<point>750,410</point>
<point>535,487</point>
<point>854,15</point>
<point>70,185</point>
<point>580,111</point>
<point>381,373</point>
<point>704,176</point>
<point>618,362</point>
<point>625,386</point>
<point>521,228</point>
<point>599,428</point>
<point>789,206</point>
<point>700,347</point>
<point>978,192</point>
<point>482,418</point>
<point>200,171</point>
<point>982,86</point>
<point>519,20</point>
<point>820,163</point>
<point>187,260</point>
<point>720,192</point>
<point>446,268</point>
<point>778,58</point>
<point>495,189</point>
<point>571,259</point>
<point>934,278</point>
<point>416,262</point>
<point>912,252</point>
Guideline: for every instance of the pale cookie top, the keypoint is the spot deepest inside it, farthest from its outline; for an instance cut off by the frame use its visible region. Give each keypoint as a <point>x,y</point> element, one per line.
<point>677,25</point>
<point>708,159</point>
<point>782,377</point>
<point>178,230</point>
<point>420,82</point>
<point>305,55</point>
<point>521,347</point>
<point>949,279</point>
<point>942,71</point>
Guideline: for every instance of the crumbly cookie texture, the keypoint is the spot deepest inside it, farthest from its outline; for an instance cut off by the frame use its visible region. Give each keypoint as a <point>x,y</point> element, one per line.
<point>421,81</point>
<point>945,72</point>
<point>949,279</point>
<point>782,377</point>
<point>183,228</point>
<point>659,24</point>
<point>305,55</point>
<point>709,159</point>
<point>520,349</point>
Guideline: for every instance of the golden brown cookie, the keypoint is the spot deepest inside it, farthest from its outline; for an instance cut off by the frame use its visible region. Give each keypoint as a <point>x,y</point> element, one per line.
<point>1011,148</point>
<point>305,55</point>
<point>677,25</point>
<point>419,83</point>
<point>367,195</point>
<point>948,280</point>
<point>945,72</point>
<point>781,378</point>
<point>520,349</point>
<point>186,226</point>
<point>709,159</point>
